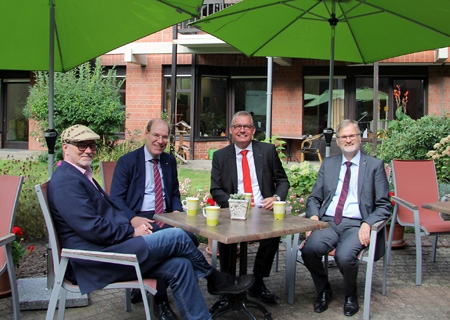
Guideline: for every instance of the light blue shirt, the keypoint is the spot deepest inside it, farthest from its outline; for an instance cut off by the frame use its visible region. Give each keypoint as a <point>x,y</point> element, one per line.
<point>149,193</point>
<point>351,206</point>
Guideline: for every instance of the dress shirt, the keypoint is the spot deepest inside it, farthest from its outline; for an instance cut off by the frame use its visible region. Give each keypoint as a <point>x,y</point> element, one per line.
<point>255,186</point>
<point>149,193</point>
<point>351,206</point>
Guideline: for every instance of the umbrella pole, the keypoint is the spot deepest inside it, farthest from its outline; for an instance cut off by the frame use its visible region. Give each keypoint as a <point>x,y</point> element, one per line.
<point>51,85</point>
<point>269,98</point>
<point>333,22</point>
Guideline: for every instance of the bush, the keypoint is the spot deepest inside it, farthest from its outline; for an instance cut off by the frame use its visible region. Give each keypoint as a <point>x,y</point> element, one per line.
<point>441,157</point>
<point>302,178</point>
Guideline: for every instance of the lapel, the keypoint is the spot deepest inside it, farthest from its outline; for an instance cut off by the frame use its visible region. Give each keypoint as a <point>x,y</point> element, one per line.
<point>258,159</point>
<point>361,173</point>
<point>334,177</point>
<point>232,167</point>
<point>165,169</point>
<point>140,161</point>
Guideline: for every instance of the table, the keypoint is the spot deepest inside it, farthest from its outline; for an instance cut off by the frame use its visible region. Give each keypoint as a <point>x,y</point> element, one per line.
<point>440,206</point>
<point>259,225</point>
<point>289,141</point>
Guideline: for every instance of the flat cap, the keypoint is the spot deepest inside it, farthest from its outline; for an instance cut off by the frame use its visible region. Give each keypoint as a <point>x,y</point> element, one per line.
<point>77,133</point>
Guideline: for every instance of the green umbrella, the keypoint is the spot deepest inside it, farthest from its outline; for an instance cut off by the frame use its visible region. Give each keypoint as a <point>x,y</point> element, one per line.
<point>359,31</point>
<point>58,35</point>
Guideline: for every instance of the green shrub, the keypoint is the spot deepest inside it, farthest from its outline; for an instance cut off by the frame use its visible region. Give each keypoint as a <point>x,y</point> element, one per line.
<point>302,178</point>
<point>441,157</point>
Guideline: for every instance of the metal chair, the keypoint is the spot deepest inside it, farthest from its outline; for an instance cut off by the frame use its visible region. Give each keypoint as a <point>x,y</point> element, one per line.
<point>10,187</point>
<point>311,145</point>
<point>415,183</point>
<point>60,258</point>
<point>107,171</point>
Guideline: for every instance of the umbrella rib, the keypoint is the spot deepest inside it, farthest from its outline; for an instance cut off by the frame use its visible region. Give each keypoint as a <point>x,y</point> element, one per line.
<point>180,10</point>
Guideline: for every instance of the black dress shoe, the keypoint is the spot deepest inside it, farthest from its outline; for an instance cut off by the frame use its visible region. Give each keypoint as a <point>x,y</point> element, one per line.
<point>163,311</point>
<point>222,283</point>
<point>351,305</point>
<point>136,296</point>
<point>260,292</point>
<point>321,303</point>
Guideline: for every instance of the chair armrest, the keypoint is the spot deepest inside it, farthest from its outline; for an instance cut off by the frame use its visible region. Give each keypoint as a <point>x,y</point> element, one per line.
<point>404,203</point>
<point>108,257</point>
<point>7,239</point>
<point>379,225</point>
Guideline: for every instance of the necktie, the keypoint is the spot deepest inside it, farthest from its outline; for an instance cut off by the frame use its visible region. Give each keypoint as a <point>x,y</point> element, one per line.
<point>246,173</point>
<point>343,196</point>
<point>159,199</point>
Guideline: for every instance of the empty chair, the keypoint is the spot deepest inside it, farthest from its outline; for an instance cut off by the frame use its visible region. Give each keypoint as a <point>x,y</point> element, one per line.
<point>10,187</point>
<point>107,170</point>
<point>60,258</point>
<point>415,183</point>
<point>311,145</point>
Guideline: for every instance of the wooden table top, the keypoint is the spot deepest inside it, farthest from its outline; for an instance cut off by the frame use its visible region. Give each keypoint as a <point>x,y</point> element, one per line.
<point>259,225</point>
<point>440,206</point>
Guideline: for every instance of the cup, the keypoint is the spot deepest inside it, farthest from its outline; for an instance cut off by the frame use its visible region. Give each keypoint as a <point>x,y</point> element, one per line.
<point>212,215</point>
<point>279,210</point>
<point>192,205</point>
<point>248,196</point>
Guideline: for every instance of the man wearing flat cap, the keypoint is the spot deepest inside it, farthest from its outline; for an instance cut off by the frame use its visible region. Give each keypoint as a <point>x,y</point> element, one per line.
<point>85,218</point>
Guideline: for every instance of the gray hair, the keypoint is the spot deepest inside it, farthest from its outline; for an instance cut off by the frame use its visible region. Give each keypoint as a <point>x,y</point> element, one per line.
<point>347,122</point>
<point>241,113</point>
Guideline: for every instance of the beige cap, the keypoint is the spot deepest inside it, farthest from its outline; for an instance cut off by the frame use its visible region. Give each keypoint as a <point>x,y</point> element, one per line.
<point>78,133</point>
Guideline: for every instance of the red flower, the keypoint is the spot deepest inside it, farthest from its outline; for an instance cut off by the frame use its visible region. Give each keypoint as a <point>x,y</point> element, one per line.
<point>30,249</point>
<point>391,193</point>
<point>210,202</point>
<point>17,231</point>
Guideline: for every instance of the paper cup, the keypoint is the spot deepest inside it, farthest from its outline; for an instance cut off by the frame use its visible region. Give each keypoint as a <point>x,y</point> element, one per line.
<point>212,215</point>
<point>279,210</point>
<point>192,205</point>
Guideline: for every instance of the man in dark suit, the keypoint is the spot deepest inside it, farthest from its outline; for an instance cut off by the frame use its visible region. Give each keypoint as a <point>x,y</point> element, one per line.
<point>363,201</point>
<point>269,183</point>
<point>86,218</point>
<point>133,190</point>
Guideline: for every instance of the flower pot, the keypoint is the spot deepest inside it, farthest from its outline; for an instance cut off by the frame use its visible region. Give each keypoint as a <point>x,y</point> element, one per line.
<point>397,238</point>
<point>238,209</point>
<point>5,286</point>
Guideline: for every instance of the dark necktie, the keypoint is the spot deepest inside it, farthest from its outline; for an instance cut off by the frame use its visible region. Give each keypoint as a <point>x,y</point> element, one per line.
<point>343,196</point>
<point>159,199</point>
<point>246,172</point>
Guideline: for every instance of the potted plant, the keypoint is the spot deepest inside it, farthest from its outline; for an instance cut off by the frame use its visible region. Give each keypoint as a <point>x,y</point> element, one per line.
<point>238,206</point>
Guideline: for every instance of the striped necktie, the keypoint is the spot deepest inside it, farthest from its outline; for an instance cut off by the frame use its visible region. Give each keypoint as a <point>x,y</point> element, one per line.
<point>159,199</point>
<point>343,196</point>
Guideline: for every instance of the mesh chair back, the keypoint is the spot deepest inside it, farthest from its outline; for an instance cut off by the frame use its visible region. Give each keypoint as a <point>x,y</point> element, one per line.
<point>107,169</point>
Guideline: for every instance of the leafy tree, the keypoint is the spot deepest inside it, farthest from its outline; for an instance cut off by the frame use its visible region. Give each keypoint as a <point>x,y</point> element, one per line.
<point>83,95</point>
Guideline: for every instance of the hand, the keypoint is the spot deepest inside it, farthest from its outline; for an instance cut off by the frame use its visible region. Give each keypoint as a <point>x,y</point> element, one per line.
<point>315,218</point>
<point>138,221</point>
<point>142,230</point>
<point>364,234</point>
<point>267,203</point>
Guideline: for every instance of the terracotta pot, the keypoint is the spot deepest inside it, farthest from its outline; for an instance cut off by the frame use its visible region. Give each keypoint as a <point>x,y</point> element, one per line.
<point>397,239</point>
<point>5,287</point>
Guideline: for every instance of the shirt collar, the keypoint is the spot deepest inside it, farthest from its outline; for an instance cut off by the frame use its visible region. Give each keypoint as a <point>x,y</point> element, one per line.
<point>148,156</point>
<point>238,150</point>
<point>355,160</point>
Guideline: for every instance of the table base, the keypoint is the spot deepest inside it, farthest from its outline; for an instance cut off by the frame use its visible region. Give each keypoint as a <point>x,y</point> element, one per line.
<point>238,302</point>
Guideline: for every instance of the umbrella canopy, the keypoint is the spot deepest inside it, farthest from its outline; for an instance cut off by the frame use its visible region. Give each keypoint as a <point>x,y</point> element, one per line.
<point>359,31</point>
<point>362,94</point>
<point>58,35</point>
<point>84,29</point>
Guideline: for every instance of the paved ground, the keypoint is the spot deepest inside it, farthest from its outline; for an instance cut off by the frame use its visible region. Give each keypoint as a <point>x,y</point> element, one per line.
<point>404,300</point>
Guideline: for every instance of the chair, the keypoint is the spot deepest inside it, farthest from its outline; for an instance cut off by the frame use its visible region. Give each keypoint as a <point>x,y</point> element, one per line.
<point>10,187</point>
<point>311,145</point>
<point>107,171</point>
<point>415,183</point>
<point>60,258</point>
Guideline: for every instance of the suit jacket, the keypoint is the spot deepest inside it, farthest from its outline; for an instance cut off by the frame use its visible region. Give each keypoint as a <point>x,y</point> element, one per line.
<point>373,191</point>
<point>128,184</point>
<point>85,218</point>
<point>270,173</point>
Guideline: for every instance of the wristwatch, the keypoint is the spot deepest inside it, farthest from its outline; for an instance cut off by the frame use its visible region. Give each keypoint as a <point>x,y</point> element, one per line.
<point>277,196</point>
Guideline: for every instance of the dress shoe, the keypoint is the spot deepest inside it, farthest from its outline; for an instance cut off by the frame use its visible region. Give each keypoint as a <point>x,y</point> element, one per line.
<point>321,303</point>
<point>223,283</point>
<point>163,311</point>
<point>351,305</point>
<point>136,296</point>
<point>260,292</point>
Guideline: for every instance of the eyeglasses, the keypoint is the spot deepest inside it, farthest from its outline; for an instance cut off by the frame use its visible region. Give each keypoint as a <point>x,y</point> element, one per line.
<point>246,127</point>
<point>158,136</point>
<point>351,137</point>
<point>83,146</point>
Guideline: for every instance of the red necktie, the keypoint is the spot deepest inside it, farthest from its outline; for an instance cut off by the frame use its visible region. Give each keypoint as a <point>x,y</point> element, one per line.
<point>246,173</point>
<point>159,199</point>
<point>343,196</point>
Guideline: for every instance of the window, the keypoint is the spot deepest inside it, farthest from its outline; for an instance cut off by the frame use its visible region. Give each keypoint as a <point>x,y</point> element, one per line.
<point>213,107</point>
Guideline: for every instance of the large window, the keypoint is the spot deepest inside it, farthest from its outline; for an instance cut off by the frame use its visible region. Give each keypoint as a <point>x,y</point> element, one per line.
<point>212,107</point>
<point>183,105</point>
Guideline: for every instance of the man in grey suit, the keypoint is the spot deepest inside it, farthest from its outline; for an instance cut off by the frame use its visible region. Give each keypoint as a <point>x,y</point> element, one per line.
<point>269,183</point>
<point>350,217</point>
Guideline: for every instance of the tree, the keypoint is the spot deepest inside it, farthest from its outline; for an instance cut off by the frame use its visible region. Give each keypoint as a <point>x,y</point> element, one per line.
<point>83,95</point>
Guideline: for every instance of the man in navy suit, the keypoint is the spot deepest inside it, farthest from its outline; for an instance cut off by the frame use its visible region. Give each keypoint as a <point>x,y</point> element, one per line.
<point>86,218</point>
<point>133,191</point>
<point>366,202</point>
<point>269,184</point>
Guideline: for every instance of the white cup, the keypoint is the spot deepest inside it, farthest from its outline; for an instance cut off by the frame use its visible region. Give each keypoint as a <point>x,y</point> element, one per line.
<point>212,215</point>
<point>279,210</point>
<point>192,205</point>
